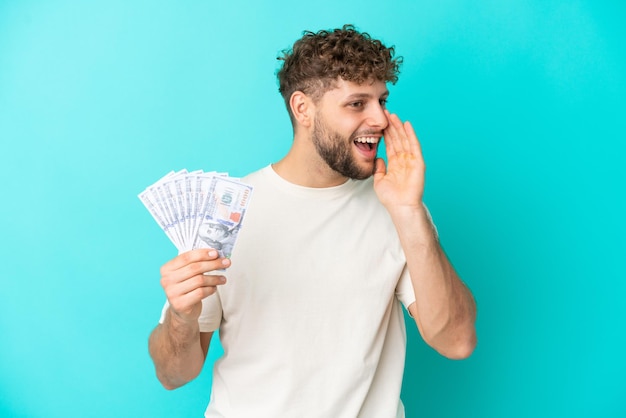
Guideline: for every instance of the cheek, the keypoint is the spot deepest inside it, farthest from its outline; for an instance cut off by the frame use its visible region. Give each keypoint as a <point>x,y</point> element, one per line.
<point>342,124</point>
<point>347,128</point>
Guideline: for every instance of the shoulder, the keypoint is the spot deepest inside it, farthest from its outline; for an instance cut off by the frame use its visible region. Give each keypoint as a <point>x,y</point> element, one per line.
<point>256,176</point>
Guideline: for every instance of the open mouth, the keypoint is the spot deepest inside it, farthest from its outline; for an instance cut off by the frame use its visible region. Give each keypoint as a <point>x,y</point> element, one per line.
<point>366,144</point>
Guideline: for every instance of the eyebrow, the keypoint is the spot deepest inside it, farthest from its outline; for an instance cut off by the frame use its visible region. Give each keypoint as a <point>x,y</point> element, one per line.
<point>365,95</point>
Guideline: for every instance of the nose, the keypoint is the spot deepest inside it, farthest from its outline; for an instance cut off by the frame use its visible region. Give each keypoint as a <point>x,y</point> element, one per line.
<point>376,117</point>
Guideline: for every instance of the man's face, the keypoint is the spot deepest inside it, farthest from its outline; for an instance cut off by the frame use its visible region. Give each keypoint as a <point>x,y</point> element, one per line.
<point>349,123</point>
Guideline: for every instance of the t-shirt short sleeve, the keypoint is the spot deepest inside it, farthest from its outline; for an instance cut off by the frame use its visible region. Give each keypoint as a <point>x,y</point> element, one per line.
<point>211,315</point>
<point>432,223</point>
<point>404,289</point>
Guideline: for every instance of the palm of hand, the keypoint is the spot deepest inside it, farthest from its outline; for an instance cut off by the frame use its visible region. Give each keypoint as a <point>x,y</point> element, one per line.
<point>401,183</point>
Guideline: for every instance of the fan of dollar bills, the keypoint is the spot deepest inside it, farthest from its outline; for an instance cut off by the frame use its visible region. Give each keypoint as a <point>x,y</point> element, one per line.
<point>198,209</point>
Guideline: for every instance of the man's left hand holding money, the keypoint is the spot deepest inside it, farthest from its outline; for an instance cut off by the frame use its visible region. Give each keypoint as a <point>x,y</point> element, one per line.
<point>177,347</point>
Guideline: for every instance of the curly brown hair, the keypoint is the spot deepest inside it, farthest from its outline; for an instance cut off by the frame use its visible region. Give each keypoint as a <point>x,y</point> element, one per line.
<point>317,60</point>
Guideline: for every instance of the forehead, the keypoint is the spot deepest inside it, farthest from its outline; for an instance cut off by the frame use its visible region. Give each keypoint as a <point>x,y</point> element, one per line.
<point>343,90</point>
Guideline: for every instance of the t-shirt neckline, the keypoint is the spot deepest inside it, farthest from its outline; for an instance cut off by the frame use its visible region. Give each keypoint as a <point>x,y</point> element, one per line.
<point>316,192</point>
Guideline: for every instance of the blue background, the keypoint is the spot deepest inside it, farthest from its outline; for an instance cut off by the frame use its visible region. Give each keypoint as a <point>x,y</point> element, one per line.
<point>520,107</point>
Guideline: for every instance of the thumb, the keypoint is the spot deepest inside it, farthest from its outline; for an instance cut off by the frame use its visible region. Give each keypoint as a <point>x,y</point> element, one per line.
<point>379,169</point>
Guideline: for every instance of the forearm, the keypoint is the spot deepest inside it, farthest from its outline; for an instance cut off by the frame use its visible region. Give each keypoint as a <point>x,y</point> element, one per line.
<point>176,351</point>
<point>444,308</point>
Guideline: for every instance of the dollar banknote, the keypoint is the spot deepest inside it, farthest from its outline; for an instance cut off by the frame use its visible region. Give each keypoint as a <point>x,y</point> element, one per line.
<point>198,209</point>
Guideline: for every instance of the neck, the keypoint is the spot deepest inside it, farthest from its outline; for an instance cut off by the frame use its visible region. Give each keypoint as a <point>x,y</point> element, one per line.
<point>303,166</point>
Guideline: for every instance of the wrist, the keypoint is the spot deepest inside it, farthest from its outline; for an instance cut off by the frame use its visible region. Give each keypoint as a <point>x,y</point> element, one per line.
<point>409,213</point>
<point>415,221</point>
<point>180,324</point>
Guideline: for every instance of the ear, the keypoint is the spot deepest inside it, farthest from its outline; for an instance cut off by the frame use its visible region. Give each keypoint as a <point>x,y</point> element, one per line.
<point>302,108</point>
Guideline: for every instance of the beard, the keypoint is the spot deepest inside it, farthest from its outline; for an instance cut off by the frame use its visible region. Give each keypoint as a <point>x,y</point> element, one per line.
<point>336,151</point>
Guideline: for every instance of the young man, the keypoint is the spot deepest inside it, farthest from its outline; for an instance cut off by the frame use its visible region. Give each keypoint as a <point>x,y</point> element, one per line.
<point>334,243</point>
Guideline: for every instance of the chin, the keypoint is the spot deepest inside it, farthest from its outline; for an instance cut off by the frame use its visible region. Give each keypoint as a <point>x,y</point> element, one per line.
<point>362,173</point>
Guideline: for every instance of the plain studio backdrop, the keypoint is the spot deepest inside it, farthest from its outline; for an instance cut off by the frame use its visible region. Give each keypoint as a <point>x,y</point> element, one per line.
<point>520,107</point>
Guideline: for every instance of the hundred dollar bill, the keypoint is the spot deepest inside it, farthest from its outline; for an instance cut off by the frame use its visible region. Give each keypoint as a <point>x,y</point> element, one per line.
<point>222,215</point>
<point>153,203</point>
<point>198,209</point>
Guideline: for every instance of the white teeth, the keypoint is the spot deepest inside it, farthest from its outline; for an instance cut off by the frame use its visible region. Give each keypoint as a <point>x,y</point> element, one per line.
<point>367,139</point>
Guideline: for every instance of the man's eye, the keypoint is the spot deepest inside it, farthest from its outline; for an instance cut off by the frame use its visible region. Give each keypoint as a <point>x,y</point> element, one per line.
<point>383,102</point>
<point>356,104</point>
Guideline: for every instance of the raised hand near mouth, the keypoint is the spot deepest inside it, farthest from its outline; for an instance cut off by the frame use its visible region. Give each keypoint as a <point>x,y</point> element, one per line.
<point>400,184</point>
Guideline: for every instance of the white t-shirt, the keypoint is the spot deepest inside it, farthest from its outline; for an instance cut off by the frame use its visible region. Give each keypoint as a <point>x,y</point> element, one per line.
<point>310,319</point>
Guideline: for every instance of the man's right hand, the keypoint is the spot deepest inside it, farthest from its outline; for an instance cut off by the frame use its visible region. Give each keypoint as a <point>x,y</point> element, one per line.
<point>185,283</point>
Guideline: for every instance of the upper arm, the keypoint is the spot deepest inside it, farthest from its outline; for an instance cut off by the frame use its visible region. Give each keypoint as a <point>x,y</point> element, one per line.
<point>205,341</point>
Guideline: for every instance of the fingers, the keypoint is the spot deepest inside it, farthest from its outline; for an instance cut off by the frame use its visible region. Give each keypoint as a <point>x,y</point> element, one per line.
<point>379,169</point>
<point>400,137</point>
<point>199,281</point>
<point>189,257</point>
<point>191,264</point>
<point>391,136</point>
<point>188,294</point>
<point>186,283</point>
<point>412,141</point>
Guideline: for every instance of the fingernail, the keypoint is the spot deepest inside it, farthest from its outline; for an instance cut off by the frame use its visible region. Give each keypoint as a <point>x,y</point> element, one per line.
<point>212,253</point>
<point>226,262</point>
